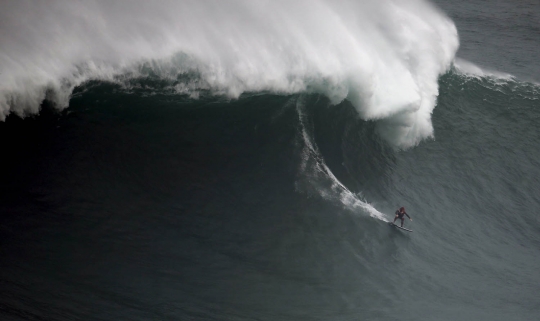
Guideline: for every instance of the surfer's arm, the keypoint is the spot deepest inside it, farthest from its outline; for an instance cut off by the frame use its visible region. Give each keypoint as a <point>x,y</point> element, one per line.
<point>408,216</point>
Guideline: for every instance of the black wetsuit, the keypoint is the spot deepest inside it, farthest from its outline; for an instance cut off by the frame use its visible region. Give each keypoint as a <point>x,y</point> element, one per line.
<point>400,216</point>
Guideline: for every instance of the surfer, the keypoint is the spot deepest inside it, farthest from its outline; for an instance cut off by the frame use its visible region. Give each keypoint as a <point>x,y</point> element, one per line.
<point>400,214</point>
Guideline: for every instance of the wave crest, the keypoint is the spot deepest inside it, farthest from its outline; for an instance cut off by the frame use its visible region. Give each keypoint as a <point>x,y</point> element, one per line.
<point>383,56</point>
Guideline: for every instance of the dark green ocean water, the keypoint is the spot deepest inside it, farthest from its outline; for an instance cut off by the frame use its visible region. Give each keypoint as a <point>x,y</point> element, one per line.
<point>144,204</point>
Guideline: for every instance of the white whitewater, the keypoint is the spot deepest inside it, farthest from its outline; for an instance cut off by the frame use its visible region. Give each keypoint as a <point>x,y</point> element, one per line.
<point>384,56</point>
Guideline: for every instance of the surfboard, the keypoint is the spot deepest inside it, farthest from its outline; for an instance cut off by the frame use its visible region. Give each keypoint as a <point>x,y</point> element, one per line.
<point>399,227</point>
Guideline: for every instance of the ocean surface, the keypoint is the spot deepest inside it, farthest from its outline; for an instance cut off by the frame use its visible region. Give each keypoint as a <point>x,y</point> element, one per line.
<point>241,160</point>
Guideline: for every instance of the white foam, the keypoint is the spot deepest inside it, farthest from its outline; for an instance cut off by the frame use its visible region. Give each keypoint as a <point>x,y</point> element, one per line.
<point>471,69</point>
<point>384,56</point>
<point>320,177</point>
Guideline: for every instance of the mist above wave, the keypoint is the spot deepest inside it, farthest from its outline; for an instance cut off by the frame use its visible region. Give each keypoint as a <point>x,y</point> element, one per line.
<point>383,56</point>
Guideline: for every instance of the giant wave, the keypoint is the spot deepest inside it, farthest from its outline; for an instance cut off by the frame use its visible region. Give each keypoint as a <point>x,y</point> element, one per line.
<point>383,56</point>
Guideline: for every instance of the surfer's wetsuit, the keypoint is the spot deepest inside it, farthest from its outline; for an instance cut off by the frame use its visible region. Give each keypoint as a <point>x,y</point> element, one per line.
<point>400,215</point>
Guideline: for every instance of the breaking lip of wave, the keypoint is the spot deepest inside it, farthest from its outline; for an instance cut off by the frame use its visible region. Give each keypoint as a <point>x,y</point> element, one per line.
<point>495,80</point>
<point>384,56</point>
<point>470,69</point>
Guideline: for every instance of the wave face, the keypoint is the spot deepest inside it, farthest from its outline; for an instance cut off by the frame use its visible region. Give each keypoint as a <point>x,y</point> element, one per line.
<point>383,56</point>
<point>140,203</point>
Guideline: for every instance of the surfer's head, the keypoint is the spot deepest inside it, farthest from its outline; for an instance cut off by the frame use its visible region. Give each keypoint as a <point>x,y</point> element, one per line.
<point>402,209</point>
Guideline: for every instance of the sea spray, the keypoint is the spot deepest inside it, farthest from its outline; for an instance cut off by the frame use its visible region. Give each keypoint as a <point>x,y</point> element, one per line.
<point>383,56</point>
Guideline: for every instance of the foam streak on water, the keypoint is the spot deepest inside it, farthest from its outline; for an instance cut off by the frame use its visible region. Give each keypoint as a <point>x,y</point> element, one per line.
<point>384,56</point>
<point>314,169</point>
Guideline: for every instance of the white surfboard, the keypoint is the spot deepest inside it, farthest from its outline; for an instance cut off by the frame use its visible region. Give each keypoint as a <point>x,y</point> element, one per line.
<point>399,227</point>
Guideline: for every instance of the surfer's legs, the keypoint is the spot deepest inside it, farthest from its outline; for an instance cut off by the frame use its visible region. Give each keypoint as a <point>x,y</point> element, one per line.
<point>402,220</point>
<point>395,218</point>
